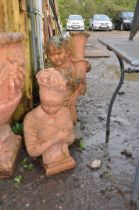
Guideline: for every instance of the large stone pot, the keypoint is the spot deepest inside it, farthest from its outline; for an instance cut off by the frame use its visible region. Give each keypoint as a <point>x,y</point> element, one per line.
<point>77,42</point>
<point>81,66</point>
<point>11,84</point>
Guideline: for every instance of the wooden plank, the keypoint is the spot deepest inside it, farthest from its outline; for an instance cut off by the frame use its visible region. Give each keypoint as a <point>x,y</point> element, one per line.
<point>1,16</point>
<point>96,53</point>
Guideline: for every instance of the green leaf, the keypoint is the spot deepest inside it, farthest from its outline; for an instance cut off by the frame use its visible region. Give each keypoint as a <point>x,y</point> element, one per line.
<point>18,179</point>
<point>24,161</point>
<point>17,128</point>
<point>30,167</point>
<point>81,145</point>
<point>26,164</point>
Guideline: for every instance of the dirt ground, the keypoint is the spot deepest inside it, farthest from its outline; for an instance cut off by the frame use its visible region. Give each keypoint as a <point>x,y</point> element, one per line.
<point>83,188</point>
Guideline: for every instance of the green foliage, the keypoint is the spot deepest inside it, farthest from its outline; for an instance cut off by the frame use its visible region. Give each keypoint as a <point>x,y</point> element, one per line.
<point>25,163</point>
<point>87,8</point>
<point>17,128</point>
<point>81,145</point>
<point>18,179</point>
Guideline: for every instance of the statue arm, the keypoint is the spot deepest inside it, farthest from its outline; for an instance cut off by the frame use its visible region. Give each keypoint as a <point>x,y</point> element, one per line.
<point>36,149</point>
<point>66,133</point>
<point>34,146</point>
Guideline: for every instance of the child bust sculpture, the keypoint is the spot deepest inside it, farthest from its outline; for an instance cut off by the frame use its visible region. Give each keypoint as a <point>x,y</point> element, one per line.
<point>48,129</point>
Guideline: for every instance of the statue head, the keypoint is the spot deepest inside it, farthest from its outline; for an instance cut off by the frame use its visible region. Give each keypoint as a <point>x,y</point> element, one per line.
<point>51,89</point>
<point>57,49</point>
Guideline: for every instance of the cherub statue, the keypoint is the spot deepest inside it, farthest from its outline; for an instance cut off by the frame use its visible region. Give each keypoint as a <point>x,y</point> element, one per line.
<point>60,55</point>
<point>48,129</point>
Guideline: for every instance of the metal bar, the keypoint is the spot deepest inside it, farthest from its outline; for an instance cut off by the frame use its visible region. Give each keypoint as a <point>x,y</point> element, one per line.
<point>135,25</point>
<point>31,11</point>
<point>134,195</point>
<point>131,70</point>
<point>113,98</point>
<point>39,32</point>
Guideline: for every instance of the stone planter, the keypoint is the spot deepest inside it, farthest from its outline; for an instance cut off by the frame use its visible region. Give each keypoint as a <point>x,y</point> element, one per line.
<point>11,84</point>
<point>81,66</point>
<point>77,43</point>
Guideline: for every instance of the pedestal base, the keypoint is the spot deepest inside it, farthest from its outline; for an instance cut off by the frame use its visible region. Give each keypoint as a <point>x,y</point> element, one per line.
<point>59,166</point>
<point>7,172</point>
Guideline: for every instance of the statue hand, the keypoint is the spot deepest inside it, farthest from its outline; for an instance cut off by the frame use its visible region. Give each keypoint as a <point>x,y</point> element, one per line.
<point>63,133</point>
<point>73,99</point>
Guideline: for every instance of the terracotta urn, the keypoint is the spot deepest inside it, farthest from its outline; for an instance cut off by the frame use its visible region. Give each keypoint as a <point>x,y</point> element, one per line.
<point>48,129</point>
<point>81,66</point>
<point>11,85</point>
<point>77,43</point>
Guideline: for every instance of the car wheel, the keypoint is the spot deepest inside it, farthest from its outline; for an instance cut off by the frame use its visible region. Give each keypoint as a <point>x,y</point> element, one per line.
<point>122,27</point>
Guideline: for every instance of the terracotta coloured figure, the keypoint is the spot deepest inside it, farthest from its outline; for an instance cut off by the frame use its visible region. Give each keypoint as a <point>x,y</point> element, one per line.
<point>11,85</point>
<point>48,128</point>
<point>59,53</point>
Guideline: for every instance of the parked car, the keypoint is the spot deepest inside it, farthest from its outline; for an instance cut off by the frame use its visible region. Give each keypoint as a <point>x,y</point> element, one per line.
<point>75,23</point>
<point>123,21</point>
<point>100,22</point>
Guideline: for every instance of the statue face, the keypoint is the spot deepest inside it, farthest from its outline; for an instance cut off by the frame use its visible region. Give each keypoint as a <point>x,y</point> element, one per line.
<point>51,103</point>
<point>57,56</point>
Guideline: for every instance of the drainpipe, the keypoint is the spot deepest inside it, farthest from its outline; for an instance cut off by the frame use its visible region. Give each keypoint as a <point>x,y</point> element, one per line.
<point>39,31</point>
<point>33,40</point>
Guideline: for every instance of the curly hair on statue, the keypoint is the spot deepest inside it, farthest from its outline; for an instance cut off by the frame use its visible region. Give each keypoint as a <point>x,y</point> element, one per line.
<point>51,79</point>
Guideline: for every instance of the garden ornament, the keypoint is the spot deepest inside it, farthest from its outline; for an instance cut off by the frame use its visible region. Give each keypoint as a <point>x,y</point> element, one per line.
<point>48,129</point>
<point>11,85</point>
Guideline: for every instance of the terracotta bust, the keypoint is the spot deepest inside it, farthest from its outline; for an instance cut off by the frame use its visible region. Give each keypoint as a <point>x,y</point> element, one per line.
<point>72,69</point>
<point>11,85</point>
<point>48,129</point>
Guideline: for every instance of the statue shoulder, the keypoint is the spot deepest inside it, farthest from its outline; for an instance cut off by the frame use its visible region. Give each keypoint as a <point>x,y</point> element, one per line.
<point>65,113</point>
<point>33,115</point>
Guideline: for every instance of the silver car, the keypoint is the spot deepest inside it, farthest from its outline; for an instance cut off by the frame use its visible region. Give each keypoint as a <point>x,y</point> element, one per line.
<point>75,23</point>
<point>100,22</point>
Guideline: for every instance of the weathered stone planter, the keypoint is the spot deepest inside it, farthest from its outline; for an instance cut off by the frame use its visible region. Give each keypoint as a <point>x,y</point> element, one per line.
<point>77,44</point>
<point>11,84</point>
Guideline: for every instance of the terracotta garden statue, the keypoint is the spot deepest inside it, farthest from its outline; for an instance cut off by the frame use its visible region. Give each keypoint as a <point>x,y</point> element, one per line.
<point>73,68</point>
<point>48,129</point>
<point>11,85</point>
